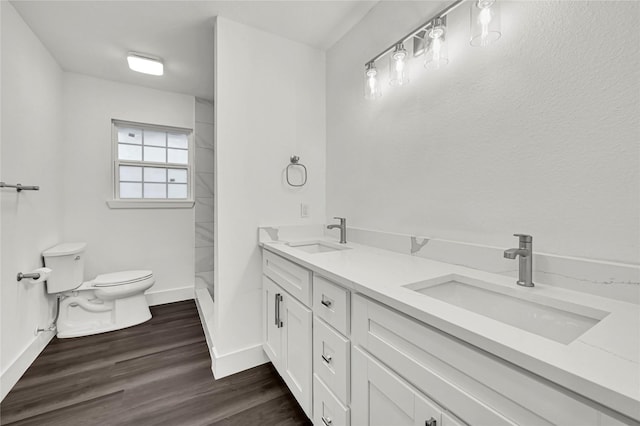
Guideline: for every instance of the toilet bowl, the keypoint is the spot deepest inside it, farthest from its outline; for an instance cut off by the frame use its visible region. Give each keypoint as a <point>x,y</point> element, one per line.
<point>108,302</point>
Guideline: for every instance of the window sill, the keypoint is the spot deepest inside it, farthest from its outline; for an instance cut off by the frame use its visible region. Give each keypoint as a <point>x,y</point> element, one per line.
<point>146,204</point>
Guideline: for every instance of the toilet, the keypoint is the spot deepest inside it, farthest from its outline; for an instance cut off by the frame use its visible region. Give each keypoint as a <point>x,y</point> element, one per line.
<point>108,302</point>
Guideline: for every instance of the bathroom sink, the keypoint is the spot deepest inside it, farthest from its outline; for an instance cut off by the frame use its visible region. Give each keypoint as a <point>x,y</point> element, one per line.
<point>551,318</point>
<point>317,246</point>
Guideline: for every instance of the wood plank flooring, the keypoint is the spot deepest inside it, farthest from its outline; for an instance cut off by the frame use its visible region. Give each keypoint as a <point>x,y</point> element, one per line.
<point>156,373</point>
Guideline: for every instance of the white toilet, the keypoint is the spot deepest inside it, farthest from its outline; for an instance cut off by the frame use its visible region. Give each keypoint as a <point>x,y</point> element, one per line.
<point>108,302</point>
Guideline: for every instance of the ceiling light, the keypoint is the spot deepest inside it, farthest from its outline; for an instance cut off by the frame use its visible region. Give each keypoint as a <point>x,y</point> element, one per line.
<point>485,22</point>
<point>371,82</point>
<point>436,55</point>
<point>146,64</point>
<point>398,66</point>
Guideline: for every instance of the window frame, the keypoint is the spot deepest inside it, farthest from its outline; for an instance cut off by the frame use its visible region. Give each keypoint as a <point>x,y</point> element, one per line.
<point>154,203</point>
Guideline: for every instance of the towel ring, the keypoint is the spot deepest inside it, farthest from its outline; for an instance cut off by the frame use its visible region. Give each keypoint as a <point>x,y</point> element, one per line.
<point>295,162</point>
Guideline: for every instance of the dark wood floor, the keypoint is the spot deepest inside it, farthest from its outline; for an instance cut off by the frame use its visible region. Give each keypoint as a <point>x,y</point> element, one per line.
<point>156,373</point>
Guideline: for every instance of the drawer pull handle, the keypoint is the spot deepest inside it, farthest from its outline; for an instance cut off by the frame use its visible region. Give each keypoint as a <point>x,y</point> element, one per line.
<point>326,303</point>
<point>327,359</point>
<point>327,421</point>
<point>277,307</point>
<point>431,422</point>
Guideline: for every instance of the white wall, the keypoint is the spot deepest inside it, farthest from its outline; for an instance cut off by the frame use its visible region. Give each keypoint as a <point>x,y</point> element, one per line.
<point>161,240</point>
<point>536,134</point>
<point>30,221</point>
<point>270,104</point>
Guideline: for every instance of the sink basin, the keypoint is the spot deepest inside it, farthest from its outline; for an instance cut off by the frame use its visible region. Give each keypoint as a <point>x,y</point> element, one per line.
<point>551,318</point>
<point>317,246</point>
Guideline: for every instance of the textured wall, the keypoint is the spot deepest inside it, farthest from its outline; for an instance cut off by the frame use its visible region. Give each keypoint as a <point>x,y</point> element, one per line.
<point>161,240</point>
<point>31,221</point>
<point>270,104</point>
<point>537,134</point>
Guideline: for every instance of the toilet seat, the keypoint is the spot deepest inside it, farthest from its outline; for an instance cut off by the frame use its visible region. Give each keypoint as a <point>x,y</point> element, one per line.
<point>120,278</point>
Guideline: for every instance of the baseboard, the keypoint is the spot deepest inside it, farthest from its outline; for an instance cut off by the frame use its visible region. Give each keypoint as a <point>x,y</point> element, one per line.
<point>168,296</point>
<point>224,365</point>
<point>12,374</point>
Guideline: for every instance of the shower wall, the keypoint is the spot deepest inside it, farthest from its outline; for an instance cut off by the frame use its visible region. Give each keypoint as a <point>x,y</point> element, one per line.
<point>204,180</point>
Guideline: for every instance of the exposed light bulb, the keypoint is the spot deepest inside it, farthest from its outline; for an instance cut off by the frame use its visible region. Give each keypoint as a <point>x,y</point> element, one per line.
<point>371,82</point>
<point>485,22</point>
<point>436,54</point>
<point>398,66</point>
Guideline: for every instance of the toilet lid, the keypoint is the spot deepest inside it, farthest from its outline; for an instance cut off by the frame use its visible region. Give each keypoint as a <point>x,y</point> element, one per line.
<point>119,278</point>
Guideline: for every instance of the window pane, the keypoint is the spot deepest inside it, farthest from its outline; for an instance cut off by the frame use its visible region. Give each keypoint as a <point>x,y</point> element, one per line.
<point>155,138</point>
<point>129,152</point>
<point>129,135</point>
<point>178,156</point>
<point>131,173</point>
<point>177,190</point>
<point>158,155</point>
<point>177,140</point>
<point>177,175</point>
<point>155,174</point>
<point>155,190</point>
<point>130,190</point>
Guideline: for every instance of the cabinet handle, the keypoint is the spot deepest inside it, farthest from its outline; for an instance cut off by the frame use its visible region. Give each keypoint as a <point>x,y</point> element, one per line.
<point>278,300</point>
<point>431,422</point>
<point>326,359</point>
<point>326,303</point>
<point>327,421</point>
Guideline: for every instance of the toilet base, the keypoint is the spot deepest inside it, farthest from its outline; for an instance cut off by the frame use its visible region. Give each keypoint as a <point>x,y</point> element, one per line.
<point>81,314</point>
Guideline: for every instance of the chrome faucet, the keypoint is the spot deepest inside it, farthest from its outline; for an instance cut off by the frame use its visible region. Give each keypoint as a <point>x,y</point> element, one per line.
<point>343,229</point>
<point>525,263</point>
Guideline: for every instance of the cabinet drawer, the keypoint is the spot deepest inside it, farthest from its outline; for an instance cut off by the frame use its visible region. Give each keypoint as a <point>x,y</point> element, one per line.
<point>331,303</point>
<point>331,358</point>
<point>327,410</point>
<point>291,277</point>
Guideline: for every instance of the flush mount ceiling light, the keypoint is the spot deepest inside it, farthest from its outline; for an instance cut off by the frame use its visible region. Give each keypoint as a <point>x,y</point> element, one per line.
<point>145,64</point>
<point>430,40</point>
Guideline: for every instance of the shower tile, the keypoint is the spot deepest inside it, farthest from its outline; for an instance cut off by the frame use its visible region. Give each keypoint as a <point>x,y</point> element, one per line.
<point>204,259</point>
<point>204,185</point>
<point>204,135</point>
<point>204,160</point>
<point>204,210</point>
<point>204,234</point>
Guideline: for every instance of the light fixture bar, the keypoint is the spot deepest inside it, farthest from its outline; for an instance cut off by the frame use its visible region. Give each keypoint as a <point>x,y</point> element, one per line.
<point>413,33</point>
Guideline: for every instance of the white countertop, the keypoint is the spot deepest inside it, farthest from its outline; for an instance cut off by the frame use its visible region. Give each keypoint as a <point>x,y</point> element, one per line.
<point>603,364</point>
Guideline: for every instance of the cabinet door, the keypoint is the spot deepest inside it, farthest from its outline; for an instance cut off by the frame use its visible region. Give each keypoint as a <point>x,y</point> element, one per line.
<point>296,357</point>
<point>380,398</point>
<point>271,328</point>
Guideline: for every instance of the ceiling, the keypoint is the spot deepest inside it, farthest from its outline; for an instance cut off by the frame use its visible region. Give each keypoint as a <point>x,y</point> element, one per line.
<point>93,37</point>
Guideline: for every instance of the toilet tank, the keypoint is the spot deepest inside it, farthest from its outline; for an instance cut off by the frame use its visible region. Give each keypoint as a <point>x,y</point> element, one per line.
<point>67,266</point>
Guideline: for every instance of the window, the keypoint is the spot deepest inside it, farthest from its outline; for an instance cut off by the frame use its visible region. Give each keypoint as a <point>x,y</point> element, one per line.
<point>152,166</point>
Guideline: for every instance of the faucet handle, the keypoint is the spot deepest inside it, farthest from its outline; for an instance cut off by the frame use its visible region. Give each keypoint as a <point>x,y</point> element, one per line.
<point>524,238</point>
<point>341,219</point>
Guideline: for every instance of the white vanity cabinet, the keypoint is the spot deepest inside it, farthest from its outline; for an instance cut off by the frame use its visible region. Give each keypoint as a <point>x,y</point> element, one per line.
<point>351,360</point>
<point>381,398</point>
<point>287,339</point>
<point>476,386</point>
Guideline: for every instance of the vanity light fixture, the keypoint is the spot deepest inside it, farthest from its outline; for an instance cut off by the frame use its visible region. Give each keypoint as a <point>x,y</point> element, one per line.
<point>398,66</point>
<point>436,54</point>
<point>145,64</point>
<point>485,22</point>
<point>430,40</point>
<point>371,82</point>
